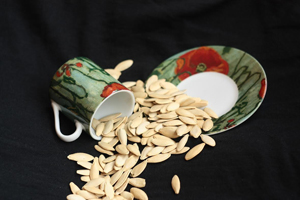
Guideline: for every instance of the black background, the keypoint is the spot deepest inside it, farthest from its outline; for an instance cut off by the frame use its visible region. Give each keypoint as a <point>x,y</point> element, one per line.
<point>256,160</point>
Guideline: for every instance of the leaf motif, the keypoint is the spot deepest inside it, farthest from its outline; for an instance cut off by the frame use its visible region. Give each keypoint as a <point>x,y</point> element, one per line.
<point>69,80</point>
<point>226,50</point>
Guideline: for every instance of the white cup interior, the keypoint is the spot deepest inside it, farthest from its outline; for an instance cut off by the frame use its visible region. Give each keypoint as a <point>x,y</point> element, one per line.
<point>121,101</point>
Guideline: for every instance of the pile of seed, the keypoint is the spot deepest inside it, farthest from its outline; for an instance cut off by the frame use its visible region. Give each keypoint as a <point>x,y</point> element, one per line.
<point>163,120</point>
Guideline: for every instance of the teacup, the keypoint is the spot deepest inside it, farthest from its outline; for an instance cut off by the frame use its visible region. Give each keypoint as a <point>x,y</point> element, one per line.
<point>83,91</point>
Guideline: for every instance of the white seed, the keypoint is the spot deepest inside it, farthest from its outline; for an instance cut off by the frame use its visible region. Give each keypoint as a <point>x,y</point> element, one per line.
<point>134,139</point>
<point>134,149</point>
<point>75,197</point>
<point>129,84</point>
<point>109,190</point>
<point>138,169</point>
<point>159,158</point>
<point>80,157</point>
<point>94,190</point>
<point>170,148</point>
<point>183,150</point>
<point>85,194</point>
<point>84,172</point>
<point>124,65</point>
<point>210,112</point>
<point>127,195</point>
<point>130,162</point>
<point>207,125</point>
<point>142,128</point>
<point>110,159</point>
<point>149,133</point>
<point>201,113</point>
<point>114,178</point>
<point>169,131</point>
<point>85,164</point>
<point>110,117</point>
<point>122,149</point>
<point>141,95</point>
<point>182,142</point>
<point>173,123</point>
<point>100,128</point>
<point>195,131</point>
<point>163,141</point>
<point>194,151</point>
<point>145,151</point>
<point>156,108</point>
<point>185,113</point>
<point>106,146</point>
<point>95,123</point>
<point>137,182</point>
<point>109,167</point>
<point>122,179</point>
<point>155,151</point>
<point>94,171</point>
<point>122,136</point>
<point>187,120</point>
<point>187,102</point>
<point>85,178</point>
<point>173,106</point>
<point>138,193</point>
<point>208,140</point>
<point>74,188</point>
<point>181,130</point>
<point>175,184</point>
<point>108,127</point>
<point>121,159</point>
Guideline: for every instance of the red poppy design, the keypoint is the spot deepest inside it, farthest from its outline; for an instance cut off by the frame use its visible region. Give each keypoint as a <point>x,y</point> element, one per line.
<point>108,90</point>
<point>66,69</point>
<point>262,90</point>
<point>200,60</point>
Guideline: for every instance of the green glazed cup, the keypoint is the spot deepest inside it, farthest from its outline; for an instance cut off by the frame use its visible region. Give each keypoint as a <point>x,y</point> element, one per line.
<point>82,91</point>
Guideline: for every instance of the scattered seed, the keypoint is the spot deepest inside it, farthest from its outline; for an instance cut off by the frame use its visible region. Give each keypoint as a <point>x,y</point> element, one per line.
<point>207,125</point>
<point>75,197</point>
<point>80,157</point>
<point>182,142</point>
<point>138,193</point>
<point>159,158</point>
<point>137,182</point>
<point>194,151</point>
<point>124,65</point>
<point>208,140</point>
<point>74,188</point>
<point>175,184</point>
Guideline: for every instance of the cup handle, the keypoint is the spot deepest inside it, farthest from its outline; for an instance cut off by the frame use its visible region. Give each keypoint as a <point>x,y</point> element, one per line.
<point>66,138</point>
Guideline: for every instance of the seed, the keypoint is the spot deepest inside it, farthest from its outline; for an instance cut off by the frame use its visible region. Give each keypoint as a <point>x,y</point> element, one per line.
<point>200,123</point>
<point>94,190</point>
<point>210,112</point>
<point>122,179</point>
<point>157,95</point>
<point>108,127</point>
<point>100,128</point>
<point>134,139</point>
<point>118,123</point>
<point>183,150</point>
<point>137,182</point>
<point>114,178</point>
<point>84,172</point>
<point>138,193</point>
<point>145,110</point>
<point>208,140</point>
<point>109,190</point>
<point>181,130</point>
<point>163,101</point>
<point>142,102</point>
<point>129,84</point>
<point>158,127</point>
<point>122,149</point>
<point>110,117</point>
<point>85,164</point>
<point>109,167</point>
<point>173,106</point>
<point>208,124</point>
<point>122,187</point>
<point>127,195</point>
<point>138,169</point>
<point>169,131</point>
<point>163,141</point>
<point>167,115</point>
<point>110,159</point>
<point>168,85</point>
<point>145,151</point>
<point>134,115</point>
<point>180,92</point>
<point>80,157</point>
<point>85,194</point>
<point>149,133</point>
<point>94,183</point>
<point>130,162</point>
<point>187,120</point>
<point>94,171</point>
<point>185,113</point>
<point>182,142</point>
<point>142,128</point>
<point>141,95</point>
<point>74,188</point>
<point>187,102</point>
<point>201,113</point>
<point>155,151</point>
<point>95,123</point>
<point>121,159</point>
<point>173,123</point>
<point>194,151</point>
<point>75,197</point>
<point>137,88</point>
<point>85,178</point>
<point>106,146</point>
<point>156,85</point>
<point>159,158</point>
<point>175,184</point>
<point>156,108</point>
<point>124,65</point>
<point>170,148</point>
<point>134,149</point>
<point>195,131</point>
<point>122,136</point>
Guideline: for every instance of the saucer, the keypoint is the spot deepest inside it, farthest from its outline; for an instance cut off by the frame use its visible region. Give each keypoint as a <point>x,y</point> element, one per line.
<point>232,81</point>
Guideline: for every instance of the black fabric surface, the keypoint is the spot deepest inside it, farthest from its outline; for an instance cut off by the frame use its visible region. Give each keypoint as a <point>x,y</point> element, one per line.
<point>257,160</point>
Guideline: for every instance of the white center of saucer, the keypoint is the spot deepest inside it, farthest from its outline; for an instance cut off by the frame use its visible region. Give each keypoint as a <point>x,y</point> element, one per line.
<point>219,90</point>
